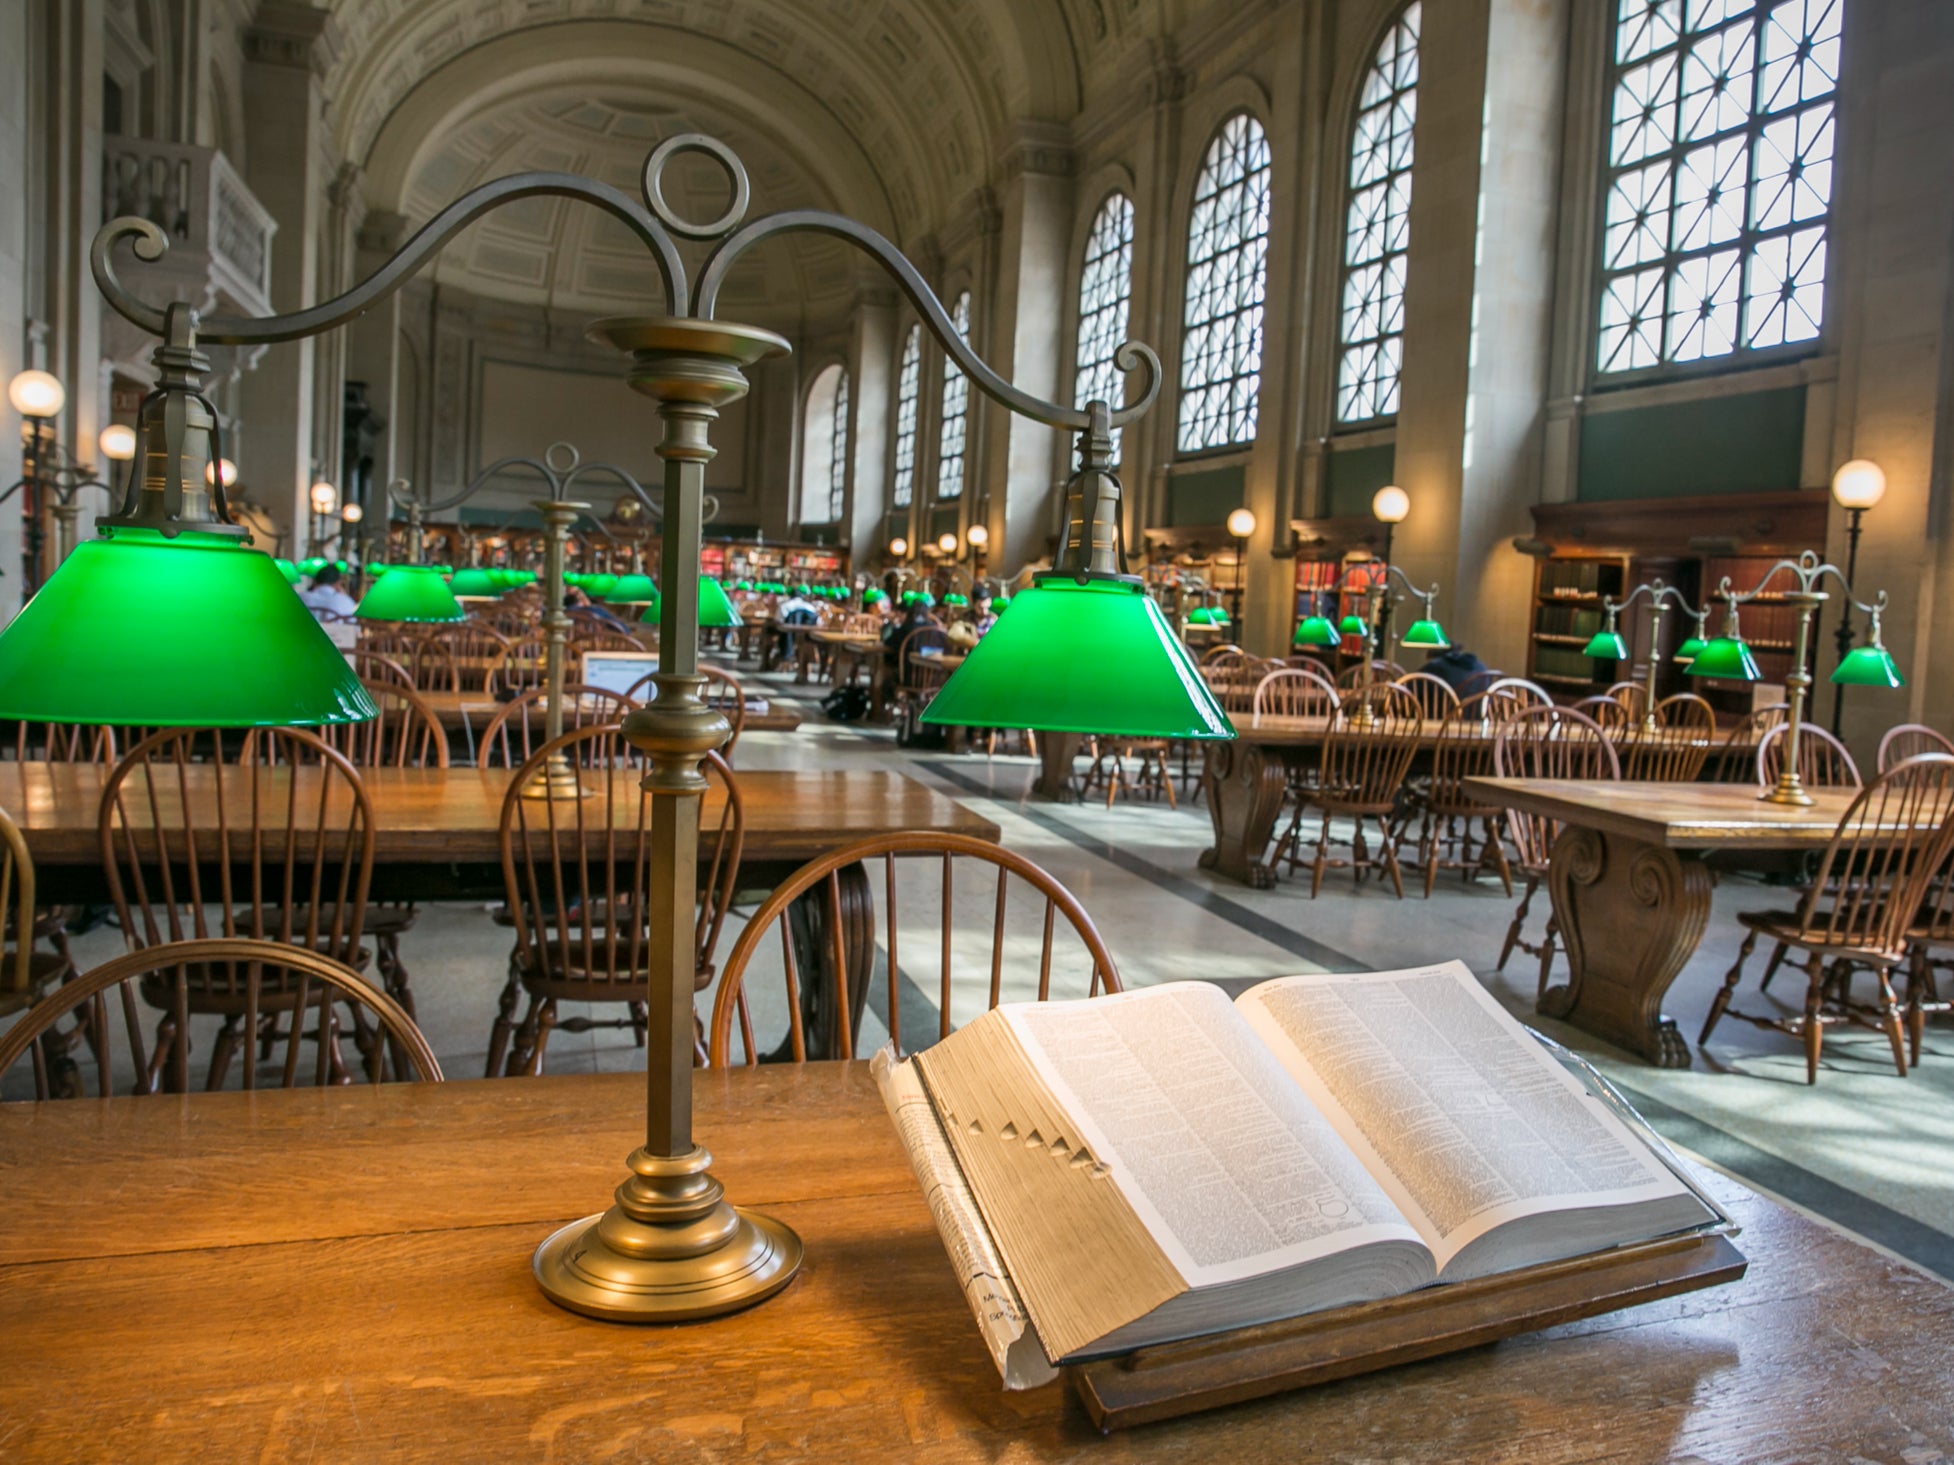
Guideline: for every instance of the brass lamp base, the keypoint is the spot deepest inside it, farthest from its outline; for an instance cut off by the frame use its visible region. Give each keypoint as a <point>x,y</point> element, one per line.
<point>1786,793</point>
<point>671,1249</point>
<point>556,779</point>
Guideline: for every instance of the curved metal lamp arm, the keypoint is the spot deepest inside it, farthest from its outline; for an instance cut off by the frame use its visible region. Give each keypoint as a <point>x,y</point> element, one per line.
<point>1129,357</point>
<point>150,244</point>
<point>1878,607</point>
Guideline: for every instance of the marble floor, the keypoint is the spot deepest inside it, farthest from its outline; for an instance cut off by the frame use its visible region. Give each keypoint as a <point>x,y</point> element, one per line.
<point>1863,1149</point>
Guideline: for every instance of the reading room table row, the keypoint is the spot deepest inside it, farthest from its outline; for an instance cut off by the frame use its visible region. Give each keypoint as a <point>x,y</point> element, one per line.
<point>344,1274</point>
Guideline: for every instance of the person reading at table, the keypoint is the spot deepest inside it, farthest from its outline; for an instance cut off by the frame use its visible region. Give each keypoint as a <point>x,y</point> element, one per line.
<point>325,594</point>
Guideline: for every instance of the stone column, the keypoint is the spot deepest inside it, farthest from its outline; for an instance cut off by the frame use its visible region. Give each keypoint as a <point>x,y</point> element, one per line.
<point>871,401</point>
<point>373,354</point>
<point>285,53</point>
<point>1026,316</point>
<point>1478,310</point>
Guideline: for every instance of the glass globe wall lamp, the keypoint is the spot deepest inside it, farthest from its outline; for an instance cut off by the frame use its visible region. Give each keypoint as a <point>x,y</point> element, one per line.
<point>1729,657</point>
<point>1096,655</point>
<point>50,477</point>
<point>1390,506</point>
<point>1859,485</point>
<point>1241,528</point>
<point>1608,645</point>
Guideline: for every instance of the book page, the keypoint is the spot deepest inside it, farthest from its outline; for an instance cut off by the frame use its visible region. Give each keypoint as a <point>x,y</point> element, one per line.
<point>1465,1119</point>
<point>1222,1158</point>
<point>1001,1317</point>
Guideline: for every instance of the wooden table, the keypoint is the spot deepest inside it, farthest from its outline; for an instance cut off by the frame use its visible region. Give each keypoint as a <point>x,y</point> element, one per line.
<point>1631,893</point>
<point>436,831</point>
<point>343,1275</point>
<point>469,713</point>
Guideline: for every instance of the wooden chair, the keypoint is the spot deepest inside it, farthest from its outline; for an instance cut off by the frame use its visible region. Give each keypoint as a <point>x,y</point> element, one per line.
<point>1215,654</point>
<point>1675,752</point>
<point>1610,714</point>
<point>279,844</point>
<point>63,742</point>
<point>476,651</point>
<point>1154,777</point>
<point>1503,696</point>
<point>404,733</point>
<point>1446,816</point>
<point>1359,778</point>
<point>518,728</point>
<point>1294,692</point>
<point>1736,760</point>
<point>1633,696</point>
<point>578,876</point>
<point>920,674</point>
<point>826,1018</point>
<point>1909,740</point>
<point>722,690</point>
<point>1869,892</point>
<point>1436,698</point>
<point>25,972</point>
<point>524,669</point>
<point>269,978</point>
<point>1545,742</point>
<point>1823,761</point>
<point>1352,676</point>
<point>510,619</point>
<point>596,642</point>
<point>375,667</point>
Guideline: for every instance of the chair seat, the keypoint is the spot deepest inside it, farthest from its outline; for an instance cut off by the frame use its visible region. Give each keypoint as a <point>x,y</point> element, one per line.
<point>43,967</point>
<point>388,920</point>
<point>1784,926</point>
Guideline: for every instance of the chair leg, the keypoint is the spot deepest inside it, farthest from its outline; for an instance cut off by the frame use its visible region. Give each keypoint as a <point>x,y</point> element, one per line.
<point>1167,779</point>
<point>1428,849</point>
<point>1721,1002</point>
<point>1921,990</point>
<point>1322,856</point>
<point>1814,1029</point>
<point>220,1055</point>
<point>1889,1019</point>
<point>545,1024</point>
<point>1518,924</point>
<point>1548,943</point>
<point>1497,845</point>
<point>1771,967</point>
<point>505,1022</point>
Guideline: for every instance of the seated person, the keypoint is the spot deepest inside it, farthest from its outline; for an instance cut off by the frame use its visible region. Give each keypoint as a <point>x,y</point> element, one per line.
<point>1458,668</point>
<point>325,594</point>
<point>575,599</point>
<point>982,617</point>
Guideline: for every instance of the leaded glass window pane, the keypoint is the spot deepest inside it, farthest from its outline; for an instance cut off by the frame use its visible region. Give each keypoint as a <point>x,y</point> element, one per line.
<point>824,448</point>
<point>1227,265</point>
<point>1105,293</point>
<point>909,382</point>
<point>956,411</point>
<point>1377,228</point>
<point>1718,187</point>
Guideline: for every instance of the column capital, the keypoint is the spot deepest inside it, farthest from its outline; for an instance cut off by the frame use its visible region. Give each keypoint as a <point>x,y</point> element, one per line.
<point>1040,147</point>
<point>291,34</point>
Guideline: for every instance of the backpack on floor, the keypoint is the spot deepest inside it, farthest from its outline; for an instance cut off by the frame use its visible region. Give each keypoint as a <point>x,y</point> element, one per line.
<point>846,704</point>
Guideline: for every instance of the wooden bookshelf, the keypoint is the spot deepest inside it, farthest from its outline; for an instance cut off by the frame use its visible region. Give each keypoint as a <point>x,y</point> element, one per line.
<point>1567,612</point>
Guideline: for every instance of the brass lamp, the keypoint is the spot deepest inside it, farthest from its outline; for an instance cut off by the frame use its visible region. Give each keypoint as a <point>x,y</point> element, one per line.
<point>1728,656</point>
<point>1372,580</point>
<point>1607,644</point>
<point>671,1247</point>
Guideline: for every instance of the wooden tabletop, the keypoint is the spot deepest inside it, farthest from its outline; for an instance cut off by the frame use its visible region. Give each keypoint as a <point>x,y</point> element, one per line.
<point>477,709</point>
<point>453,815</point>
<point>344,1275</point>
<point>1679,815</point>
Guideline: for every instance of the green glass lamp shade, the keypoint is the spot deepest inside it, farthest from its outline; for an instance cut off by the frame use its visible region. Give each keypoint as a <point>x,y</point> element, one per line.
<point>574,577</point>
<point>1726,657</point>
<point>311,566</point>
<point>714,608</point>
<point>955,599</point>
<point>521,577</point>
<point>1868,666</point>
<point>195,631</point>
<point>1092,658</point>
<point>1316,631</point>
<point>1427,633</point>
<point>474,581</point>
<point>630,589</point>
<point>872,596</point>
<point>289,570</point>
<point>599,587</point>
<point>1352,625</point>
<point>374,572</point>
<point>999,604</point>
<point>1206,615</point>
<point>411,593</point>
<point>1690,649</point>
<point>1607,646</point>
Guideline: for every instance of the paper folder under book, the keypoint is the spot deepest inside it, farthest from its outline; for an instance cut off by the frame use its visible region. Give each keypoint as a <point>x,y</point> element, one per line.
<point>1164,1164</point>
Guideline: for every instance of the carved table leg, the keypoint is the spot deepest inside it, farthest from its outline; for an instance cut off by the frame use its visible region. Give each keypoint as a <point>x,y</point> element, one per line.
<point>811,924</point>
<point>1630,917</point>
<point>1244,785</point>
<point>1056,752</point>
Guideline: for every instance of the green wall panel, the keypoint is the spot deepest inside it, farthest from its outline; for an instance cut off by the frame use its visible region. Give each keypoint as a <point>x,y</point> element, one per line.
<point>1753,443</point>
<point>1205,495</point>
<point>1357,473</point>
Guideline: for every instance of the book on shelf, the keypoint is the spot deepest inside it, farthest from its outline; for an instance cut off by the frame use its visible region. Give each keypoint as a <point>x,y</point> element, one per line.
<point>1164,1163</point>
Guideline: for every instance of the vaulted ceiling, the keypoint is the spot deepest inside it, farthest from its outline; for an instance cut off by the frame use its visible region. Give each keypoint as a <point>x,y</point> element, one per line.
<point>891,111</point>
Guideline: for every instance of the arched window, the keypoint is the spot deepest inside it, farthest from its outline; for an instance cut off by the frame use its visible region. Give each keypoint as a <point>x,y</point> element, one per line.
<point>824,448</point>
<point>1377,227</point>
<point>956,411</point>
<point>1718,180</point>
<point>1227,263</point>
<point>909,381</point>
<point>1105,293</point>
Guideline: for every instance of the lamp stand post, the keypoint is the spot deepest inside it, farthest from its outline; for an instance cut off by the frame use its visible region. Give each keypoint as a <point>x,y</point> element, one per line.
<point>556,779</point>
<point>1842,638</point>
<point>672,1247</point>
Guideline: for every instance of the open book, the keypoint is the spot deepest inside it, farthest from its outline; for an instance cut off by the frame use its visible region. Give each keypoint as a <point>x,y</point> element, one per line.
<point>1164,1163</point>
